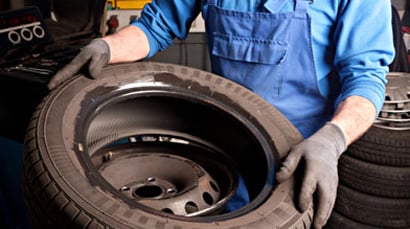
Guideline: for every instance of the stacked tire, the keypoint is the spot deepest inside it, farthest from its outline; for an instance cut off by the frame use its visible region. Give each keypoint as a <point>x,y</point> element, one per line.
<point>374,189</point>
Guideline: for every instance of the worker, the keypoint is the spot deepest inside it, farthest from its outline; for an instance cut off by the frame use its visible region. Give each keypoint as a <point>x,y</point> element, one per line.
<point>322,63</point>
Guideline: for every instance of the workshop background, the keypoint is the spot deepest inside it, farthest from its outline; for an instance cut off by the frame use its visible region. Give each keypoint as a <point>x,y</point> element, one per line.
<point>25,70</point>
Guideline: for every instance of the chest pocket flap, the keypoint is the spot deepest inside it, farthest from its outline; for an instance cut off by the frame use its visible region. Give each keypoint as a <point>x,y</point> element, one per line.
<point>249,49</point>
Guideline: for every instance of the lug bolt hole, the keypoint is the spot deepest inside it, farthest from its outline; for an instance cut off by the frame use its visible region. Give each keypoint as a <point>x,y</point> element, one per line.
<point>150,191</point>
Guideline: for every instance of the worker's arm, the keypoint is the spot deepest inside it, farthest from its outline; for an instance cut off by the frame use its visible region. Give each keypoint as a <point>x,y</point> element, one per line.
<point>128,44</point>
<point>354,116</point>
<point>159,24</point>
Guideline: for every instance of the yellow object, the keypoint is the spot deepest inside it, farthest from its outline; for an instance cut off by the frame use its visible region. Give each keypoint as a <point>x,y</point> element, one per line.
<point>129,4</point>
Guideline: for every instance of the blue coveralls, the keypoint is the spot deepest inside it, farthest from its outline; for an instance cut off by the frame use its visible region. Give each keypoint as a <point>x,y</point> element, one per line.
<point>271,54</point>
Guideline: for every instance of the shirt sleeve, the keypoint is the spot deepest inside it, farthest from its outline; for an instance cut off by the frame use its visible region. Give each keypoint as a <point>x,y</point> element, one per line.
<point>364,49</point>
<point>163,21</point>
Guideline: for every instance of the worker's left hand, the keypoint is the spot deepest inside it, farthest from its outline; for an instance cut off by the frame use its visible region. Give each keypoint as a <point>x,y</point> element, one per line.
<point>320,153</point>
<point>95,56</point>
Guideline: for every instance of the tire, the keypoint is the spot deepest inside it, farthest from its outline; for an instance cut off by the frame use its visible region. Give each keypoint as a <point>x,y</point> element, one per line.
<point>374,179</point>
<point>383,146</point>
<point>372,210</point>
<point>78,132</point>
<point>338,221</point>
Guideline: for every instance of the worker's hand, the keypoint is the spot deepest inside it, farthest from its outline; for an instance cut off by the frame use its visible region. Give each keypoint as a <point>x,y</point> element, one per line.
<point>94,56</point>
<point>320,153</point>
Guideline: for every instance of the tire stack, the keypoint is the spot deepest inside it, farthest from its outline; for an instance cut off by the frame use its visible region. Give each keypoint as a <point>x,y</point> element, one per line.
<point>374,172</point>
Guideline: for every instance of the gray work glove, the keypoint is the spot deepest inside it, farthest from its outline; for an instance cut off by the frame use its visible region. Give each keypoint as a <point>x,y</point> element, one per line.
<point>320,153</point>
<point>96,55</point>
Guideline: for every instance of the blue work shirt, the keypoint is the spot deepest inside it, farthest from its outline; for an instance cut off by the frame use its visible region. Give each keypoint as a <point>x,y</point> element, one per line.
<point>350,38</point>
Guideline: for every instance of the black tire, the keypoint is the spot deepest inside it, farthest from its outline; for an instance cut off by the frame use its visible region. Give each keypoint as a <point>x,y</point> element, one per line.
<point>338,221</point>
<point>383,146</point>
<point>372,210</point>
<point>374,179</point>
<point>63,188</point>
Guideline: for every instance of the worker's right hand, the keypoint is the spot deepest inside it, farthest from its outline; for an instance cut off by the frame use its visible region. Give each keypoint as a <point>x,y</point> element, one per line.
<point>95,55</point>
<point>320,154</point>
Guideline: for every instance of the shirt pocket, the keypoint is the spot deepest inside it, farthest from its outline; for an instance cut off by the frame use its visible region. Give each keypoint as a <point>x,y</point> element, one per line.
<point>251,50</point>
